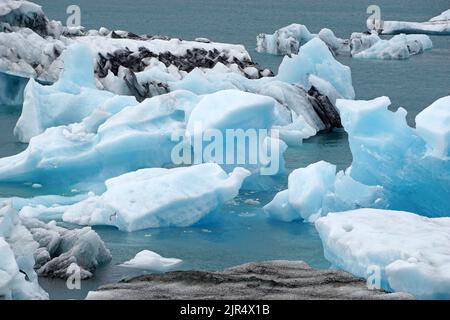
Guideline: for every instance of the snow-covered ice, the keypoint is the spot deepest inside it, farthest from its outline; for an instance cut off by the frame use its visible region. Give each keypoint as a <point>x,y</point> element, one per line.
<point>152,198</point>
<point>149,260</point>
<point>439,25</point>
<point>317,189</point>
<point>410,253</point>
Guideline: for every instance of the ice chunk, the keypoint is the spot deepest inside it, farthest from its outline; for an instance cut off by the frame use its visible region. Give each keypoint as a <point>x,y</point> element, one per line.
<point>18,280</point>
<point>317,189</point>
<point>60,248</point>
<point>399,47</point>
<point>409,252</point>
<point>67,155</point>
<point>151,198</point>
<point>286,40</point>
<point>149,260</point>
<point>439,25</point>
<point>71,99</point>
<point>433,125</point>
<point>315,58</point>
<point>337,45</point>
<point>410,164</point>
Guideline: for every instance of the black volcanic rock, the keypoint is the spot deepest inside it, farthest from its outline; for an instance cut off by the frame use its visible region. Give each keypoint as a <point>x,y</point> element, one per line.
<point>258,280</point>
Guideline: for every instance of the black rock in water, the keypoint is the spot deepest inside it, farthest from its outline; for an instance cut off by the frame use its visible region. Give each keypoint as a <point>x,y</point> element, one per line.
<point>258,280</point>
<point>326,111</point>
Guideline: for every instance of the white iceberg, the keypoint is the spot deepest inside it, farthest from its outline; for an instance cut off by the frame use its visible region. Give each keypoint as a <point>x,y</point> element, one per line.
<point>152,198</point>
<point>439,25</point>
<point>315,58</point>
<point>405,252</point>
<point>316,190</point>
<point>397,48</point>
<point>18,280</point>
<point>149,260</point>
<point>286,40</point>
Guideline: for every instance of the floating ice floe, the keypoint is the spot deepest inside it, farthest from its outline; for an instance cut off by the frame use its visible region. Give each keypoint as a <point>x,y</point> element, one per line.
<point>400,251</point>
<point>149,260</point>
<point>394,166</point>
<point>398,47</point>
<point>439,25</point>
<point>151,198</point>
<point>288,40</point>
<point>317,189</point>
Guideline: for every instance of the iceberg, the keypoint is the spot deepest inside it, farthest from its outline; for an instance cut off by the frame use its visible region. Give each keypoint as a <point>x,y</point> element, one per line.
<point>315,58</point>
<point>153,198</point>
<point>53,249</point>
<point>316,190</point>
<point>286,40</point>
<point>102,145</point>
<point>394,166</point>
<point>410,164</point>
<point>18,280</point>
<point>61,250</point>
<point>405,252</point>
<point>439,25</point>
<point>149,260</point>
<point>368,45</point>
<point>398,47</point>
<point>39,43</point>
<point>142,66</point>
<point>71,99</point>
<point>116,128</point>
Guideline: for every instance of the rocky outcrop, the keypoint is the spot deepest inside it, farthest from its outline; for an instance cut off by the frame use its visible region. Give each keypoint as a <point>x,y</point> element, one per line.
<point>258,280</point>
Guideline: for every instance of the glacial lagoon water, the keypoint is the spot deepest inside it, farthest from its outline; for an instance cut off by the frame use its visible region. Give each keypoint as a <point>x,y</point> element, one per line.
<point>240,232</point>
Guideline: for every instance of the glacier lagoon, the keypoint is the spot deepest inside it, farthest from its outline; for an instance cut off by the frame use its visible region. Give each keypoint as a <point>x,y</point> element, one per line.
<point>219,245</point>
